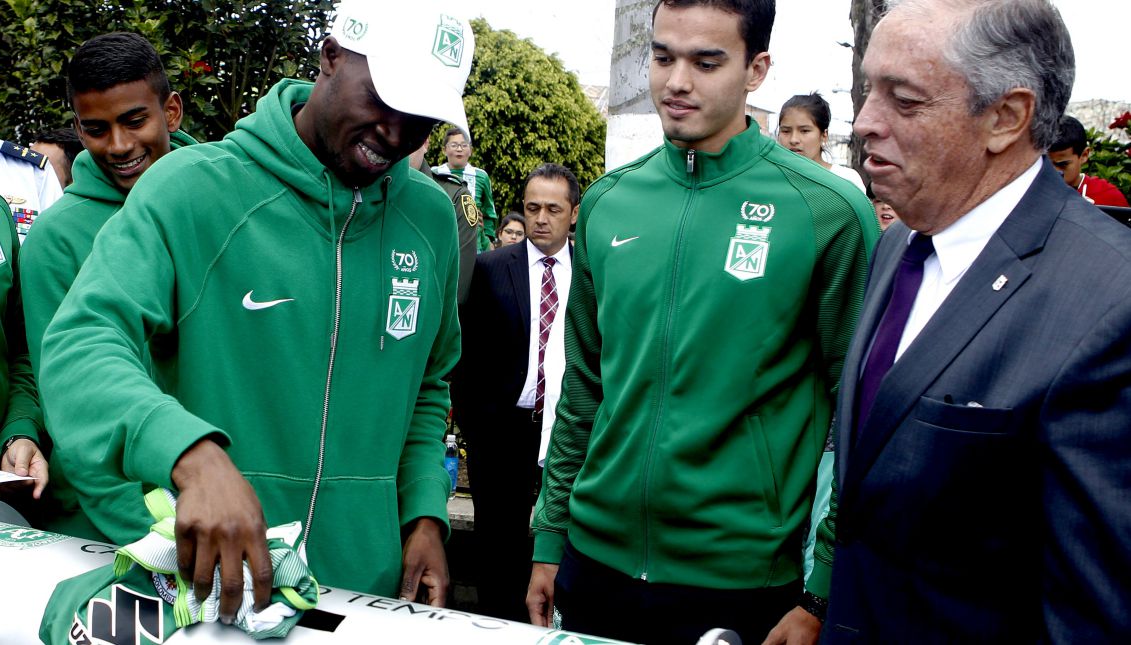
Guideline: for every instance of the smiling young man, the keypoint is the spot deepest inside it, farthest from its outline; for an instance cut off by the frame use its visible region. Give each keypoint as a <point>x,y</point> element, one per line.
<point>295,288</point>
<point>716,283</point>
<point>126,116</point>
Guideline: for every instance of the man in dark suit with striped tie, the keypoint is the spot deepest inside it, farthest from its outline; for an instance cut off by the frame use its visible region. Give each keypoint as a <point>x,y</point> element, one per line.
<point>508,378</point>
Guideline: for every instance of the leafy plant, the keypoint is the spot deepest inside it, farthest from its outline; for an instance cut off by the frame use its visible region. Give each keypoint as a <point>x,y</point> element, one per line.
<point>1111,158</point>
<point>222,55</point>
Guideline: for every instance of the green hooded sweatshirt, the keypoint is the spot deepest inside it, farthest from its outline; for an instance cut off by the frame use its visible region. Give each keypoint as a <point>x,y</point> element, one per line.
<point>304,324</point>
<point>50,258</point>
<point>714,296</point>
<point>19,400</point>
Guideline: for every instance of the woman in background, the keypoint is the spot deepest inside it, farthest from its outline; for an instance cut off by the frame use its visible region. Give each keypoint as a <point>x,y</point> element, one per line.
<point>804,129</point>
<point>512,230</point>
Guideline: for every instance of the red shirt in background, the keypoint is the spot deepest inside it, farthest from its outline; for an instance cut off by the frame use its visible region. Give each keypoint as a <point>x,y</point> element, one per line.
<point>1100,192</point>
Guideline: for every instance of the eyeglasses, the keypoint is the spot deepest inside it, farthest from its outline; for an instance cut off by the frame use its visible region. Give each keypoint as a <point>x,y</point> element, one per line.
<point>513,233</point>
<point>458,146</point>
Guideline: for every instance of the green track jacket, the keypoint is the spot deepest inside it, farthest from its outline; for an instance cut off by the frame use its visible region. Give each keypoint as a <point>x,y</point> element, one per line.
<point>225,260</point>
<point>713,299</point>
<point>50,258</point>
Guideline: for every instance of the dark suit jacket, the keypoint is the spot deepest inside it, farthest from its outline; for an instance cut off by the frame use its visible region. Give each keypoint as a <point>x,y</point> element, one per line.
<point>495,325</point>
<point>987,498</point>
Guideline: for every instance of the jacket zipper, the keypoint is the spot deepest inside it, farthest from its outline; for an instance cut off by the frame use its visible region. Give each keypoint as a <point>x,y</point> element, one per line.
<point>330,367</point>
<point>664,351</point>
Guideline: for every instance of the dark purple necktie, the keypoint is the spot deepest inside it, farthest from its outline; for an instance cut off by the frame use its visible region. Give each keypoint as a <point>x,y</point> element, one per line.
<point>547,309</point>
<point>908,278</point>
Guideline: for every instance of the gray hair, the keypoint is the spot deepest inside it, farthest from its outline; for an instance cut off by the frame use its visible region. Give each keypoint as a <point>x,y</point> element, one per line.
<point>1000,45</point>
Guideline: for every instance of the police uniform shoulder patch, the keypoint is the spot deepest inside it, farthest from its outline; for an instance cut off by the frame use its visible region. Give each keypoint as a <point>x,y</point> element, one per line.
<point>450,179</point>
<point>24,154</point>
<point>469,210</point>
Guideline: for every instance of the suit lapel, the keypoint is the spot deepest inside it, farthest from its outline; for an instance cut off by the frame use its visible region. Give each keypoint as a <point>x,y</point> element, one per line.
<point>961,316</point>
<point>520,283</point>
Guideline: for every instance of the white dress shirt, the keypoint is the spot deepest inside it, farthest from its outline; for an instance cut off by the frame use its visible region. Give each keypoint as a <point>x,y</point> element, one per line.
<point>554,362</point>
<point>956,248</point>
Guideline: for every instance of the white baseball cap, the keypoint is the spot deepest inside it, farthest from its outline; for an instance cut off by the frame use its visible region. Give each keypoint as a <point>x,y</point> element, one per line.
<point>419,54</point>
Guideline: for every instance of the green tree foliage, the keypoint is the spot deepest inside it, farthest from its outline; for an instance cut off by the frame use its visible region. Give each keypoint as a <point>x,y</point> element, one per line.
<point>1111,158</point>
<point>524,109</point>
<point>220,54</point>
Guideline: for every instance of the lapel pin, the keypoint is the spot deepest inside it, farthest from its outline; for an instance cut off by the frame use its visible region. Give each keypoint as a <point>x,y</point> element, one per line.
<point>1000,282</point>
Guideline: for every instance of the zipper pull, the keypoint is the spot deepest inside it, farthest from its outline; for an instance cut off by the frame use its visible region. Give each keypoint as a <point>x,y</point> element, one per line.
<point>691,161</point>
<point>356,196</point>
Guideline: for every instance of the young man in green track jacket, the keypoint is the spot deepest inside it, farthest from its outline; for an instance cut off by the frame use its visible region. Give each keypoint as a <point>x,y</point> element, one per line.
<point>296,285</point>
<point>127,117</point>
<point>717,281</point>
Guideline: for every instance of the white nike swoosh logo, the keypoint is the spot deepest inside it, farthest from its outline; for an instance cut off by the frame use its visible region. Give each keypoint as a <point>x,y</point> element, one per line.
<point>252,305</point>
<point>617,242</point>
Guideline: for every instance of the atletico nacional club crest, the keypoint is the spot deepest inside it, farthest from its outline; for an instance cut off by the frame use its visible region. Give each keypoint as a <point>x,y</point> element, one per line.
<point>746,256</point>
<point>448,46</point>
<point>404,308</point>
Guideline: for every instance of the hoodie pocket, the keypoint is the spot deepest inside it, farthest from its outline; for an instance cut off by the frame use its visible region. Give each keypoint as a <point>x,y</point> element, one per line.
<point>764,468</point>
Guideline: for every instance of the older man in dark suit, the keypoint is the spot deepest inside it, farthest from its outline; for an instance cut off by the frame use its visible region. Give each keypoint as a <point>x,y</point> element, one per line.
<point>508,377</point>
<point>984,423</point>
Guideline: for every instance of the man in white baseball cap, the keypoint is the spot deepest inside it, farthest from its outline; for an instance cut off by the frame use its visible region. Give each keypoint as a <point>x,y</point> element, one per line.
<point>299,280</point>
<point>418,56</point>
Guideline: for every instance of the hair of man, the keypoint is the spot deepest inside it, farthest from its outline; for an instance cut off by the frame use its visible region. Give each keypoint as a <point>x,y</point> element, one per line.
<point>113,59</point>
<point>65,138</point>
<point>554,171</point>
<point>756,19</point>
<point>1000,45</point>
<point>1071,134</point>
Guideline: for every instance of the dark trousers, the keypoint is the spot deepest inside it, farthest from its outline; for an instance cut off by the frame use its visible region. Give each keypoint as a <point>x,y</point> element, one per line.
<point>600,601</point>
<point>503,472</point>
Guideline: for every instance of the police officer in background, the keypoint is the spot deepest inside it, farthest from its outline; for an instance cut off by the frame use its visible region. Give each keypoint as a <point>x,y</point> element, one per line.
<point>27,182</point>
<point>468,217</point>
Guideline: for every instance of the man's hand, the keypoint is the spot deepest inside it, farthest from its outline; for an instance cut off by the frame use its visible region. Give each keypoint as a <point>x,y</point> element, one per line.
<point>220,521</point>
<point>540,594</point>
<point>798,627</point>
<point>424,563</point>
<point>24,458</point>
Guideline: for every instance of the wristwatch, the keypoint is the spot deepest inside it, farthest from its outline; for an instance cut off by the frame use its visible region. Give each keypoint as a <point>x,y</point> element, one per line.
<point>12,440</point>
<point>814,604</point>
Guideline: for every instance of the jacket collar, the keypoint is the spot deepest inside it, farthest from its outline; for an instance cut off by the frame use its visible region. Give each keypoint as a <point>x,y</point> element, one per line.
<point>707,168</point>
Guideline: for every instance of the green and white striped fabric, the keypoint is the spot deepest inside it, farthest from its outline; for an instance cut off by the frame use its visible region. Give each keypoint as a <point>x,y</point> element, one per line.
<point>150,565</point>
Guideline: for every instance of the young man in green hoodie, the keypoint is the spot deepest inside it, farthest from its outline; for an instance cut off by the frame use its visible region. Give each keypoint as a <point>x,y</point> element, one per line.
<point>717,280</point>
<point>295,287</point>
<point>127,117</point>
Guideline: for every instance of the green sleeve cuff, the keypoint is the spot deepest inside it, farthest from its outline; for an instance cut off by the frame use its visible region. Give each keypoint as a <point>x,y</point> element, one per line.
<point>426,497</point>
<point>21,428</point>
<point>549,546</point>
<point>819,580</point>
<point>163,437</point>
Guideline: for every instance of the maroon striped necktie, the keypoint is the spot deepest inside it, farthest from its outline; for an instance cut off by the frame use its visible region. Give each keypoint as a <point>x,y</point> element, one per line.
<point>547,309</point>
